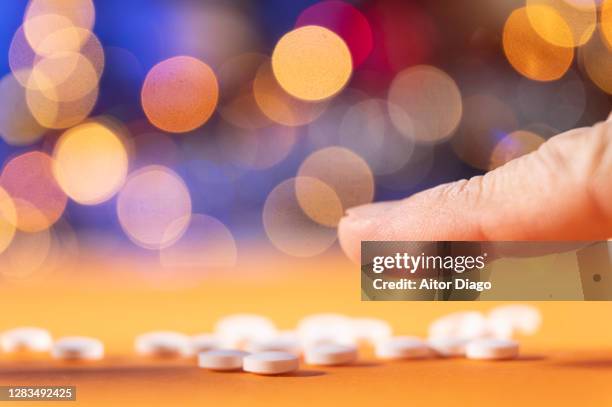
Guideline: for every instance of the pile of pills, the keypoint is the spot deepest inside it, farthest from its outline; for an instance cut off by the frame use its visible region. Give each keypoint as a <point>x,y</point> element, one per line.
<point>252,343</point>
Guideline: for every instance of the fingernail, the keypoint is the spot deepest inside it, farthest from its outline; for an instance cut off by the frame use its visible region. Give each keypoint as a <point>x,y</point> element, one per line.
<point>372,210</point>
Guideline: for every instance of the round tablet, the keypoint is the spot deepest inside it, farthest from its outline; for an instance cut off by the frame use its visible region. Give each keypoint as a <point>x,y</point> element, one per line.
<point>492,349</point>
<point>78,348</point>
<point>221,359</point>
<point>204,342</point>
<point>26,339</point>
<point>271,363</point>
<point>402,347</point>
<point>330,355</point>
<point>448,346</point>
<point>164,344</point>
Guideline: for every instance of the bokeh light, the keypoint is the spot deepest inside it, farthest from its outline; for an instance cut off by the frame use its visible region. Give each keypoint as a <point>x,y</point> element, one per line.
<point>530,54</point>
<point>237,103</point>
<point>44,17</point>
<point>154,207</point>
<point>257,149</point>
<point>287,226</point>
<point>53,114</point>
<point>486,121</point>
<point>513,146</point>
<point>427,103</point>
<point>346,21</point>
<point>26,256</point>
<point>596,59</point>
<point>206,244</point>
<point>606,21</point>
<point>312,63</point>
<point>39,201</point>
<point>90,163</point>
<point>318,201</point>
<point>21,57</point>
<point>278,105</point>
<point>366,129</point>
<point>346,173</point>
<point>17,125</point>
<point>180,94</point>
<point>324,131</point>
<point>8,220</point>
<point>562,22</point>
<point>64,77</point>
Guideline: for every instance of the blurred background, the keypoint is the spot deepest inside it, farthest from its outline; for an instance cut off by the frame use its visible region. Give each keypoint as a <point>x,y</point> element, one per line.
<point>186,133</point>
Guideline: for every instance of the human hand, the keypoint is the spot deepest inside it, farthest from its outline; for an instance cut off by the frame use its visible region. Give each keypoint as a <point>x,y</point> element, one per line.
<point>562,191</point>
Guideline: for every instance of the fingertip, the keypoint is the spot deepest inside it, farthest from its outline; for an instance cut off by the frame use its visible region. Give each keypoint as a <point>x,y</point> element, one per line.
<point>351,231</point>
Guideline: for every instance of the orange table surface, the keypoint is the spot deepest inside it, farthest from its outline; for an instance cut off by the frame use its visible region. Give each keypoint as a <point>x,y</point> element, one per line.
<point>569,362</point>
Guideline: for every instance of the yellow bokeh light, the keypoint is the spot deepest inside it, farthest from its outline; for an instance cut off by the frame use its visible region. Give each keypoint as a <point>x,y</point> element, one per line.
<point>45,17</point>
<point>53,114</point>
<point>29,180</point>
<point>8,220</point>
<point>606,21</point>
<point>426,103</point>
<point>278,105</point>
<point>64,77</point>
<point>529,53</point>
<point>561,22</point>
<point>154,207</point>
<point>312,63</point>
<point>346,173</point>
<point>287,226</point>
<point>17,125</point>
<point>596,59</point>
<point>180,94</point>
<point>90,163</point>
<point>318,201</point>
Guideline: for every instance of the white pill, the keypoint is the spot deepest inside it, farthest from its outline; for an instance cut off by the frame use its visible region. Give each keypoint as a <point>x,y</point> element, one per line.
<point>78,348</point>
<point>492,349</point>
<point>235,331</point>
<point>402,347</point>
<point>26,339</point>
<point>269,363</point>
<point>507,320</point>
<point>330,354</point>
<point>287,341</point>
<point>327,328</point>
<point>464,325</point>
<point>222,359</point>
<point>448,347</point>
<point>204,342</point>
<point>163,344</point>
<point>370,330</point>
